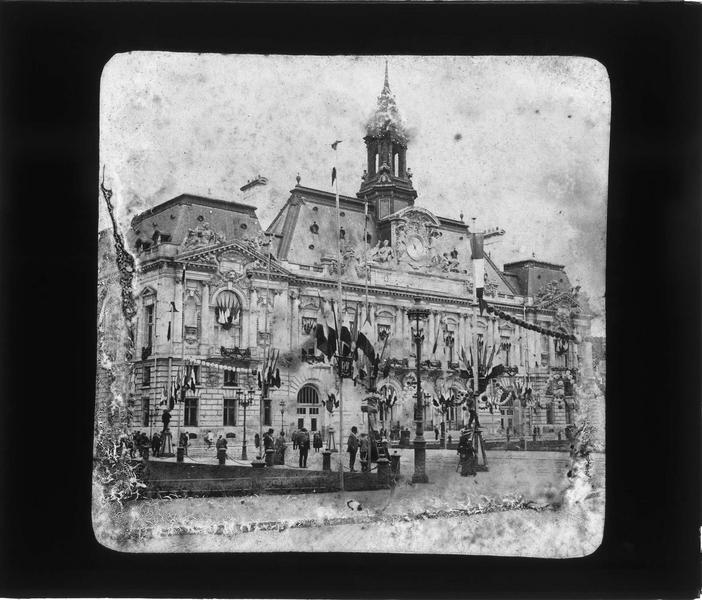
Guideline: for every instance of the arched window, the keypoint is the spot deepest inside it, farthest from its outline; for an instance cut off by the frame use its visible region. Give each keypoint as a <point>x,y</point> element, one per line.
<point>308,395</point>
<point>228,308</point>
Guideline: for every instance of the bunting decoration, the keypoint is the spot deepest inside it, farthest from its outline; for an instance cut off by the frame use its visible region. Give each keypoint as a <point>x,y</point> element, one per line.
<point>559,335</point>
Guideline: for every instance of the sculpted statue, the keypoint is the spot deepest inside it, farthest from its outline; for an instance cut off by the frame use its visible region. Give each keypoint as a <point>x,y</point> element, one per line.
<point>384,253</point>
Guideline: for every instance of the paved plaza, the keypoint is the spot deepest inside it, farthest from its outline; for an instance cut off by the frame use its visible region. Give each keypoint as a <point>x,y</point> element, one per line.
<point>522,492</point>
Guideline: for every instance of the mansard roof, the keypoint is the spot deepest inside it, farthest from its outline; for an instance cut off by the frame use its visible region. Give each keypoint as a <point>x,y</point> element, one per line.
<point>176,217</point>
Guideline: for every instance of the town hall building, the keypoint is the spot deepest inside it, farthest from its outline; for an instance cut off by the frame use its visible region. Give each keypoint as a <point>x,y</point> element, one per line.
<point>223,301</point>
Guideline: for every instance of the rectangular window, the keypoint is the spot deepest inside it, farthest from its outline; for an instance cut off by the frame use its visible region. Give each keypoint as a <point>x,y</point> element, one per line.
<point>145,412</point>
<point>190,417</point>
<point>149,321</point>
<point>301,411</point>
<point>314,410</point>
<point>231,378</point>
<point>230,406</point>
<point>146,376</point>
<point>267,412</point>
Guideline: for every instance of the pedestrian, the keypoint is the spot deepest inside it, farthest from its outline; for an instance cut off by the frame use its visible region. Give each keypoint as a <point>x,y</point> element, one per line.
<point>294,437</point>
<point>317,441</point>
<point>436,433</point>
<point>533,434</point>
<point>280,446</point>
<point>466,453</point>
<point>208,439</point>
<point>508,437</point>
<point>184,442</point>
<point>155,444</point>
<point>221,443</point>
<point>352,447</point>
<point>268,441</point>
<point>364,447</point>
<point>559,435</point>
<point>257,440</point>
<point>303,441</point>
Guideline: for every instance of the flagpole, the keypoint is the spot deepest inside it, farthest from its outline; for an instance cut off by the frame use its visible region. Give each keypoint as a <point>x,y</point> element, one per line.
<point>181,409</point>
<point>338,336</point>
<point>153,343</point>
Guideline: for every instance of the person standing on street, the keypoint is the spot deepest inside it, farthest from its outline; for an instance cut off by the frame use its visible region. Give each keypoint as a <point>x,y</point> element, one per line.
<point>364,447</point>
<point>466,453</point>
<point>352,447</point>
<point>317,441</point>
<point>280,446</point>
<point>303,442</point>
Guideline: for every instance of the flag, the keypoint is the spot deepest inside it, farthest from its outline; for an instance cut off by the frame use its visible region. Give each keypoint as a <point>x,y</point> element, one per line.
<point>182,280</point>
<point>496,367</point>
<point>335,144</point>
<point>333,175</point>
<point>476,248</point>
<point>364,342</point>
<point>345,341</point>
<point>168,335</point>
<point>330,330</point>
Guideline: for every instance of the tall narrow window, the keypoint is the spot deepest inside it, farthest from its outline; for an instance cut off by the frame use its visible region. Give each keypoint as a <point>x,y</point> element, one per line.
<point>229,412</point>
<point>149,323</point>
<point>146,376</point>
<point>190,415</point>
<point>145,411</point>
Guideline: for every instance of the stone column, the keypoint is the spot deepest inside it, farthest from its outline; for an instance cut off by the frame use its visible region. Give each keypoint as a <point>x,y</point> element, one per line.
<point>551,351</point>
<point>587,359</point>
<point>517,347</point>
<point>205,323</point>
<point>253,319</point>
<point>428,336</point>
<point>397,333</point>
<point>178,320</point>
<point>294,321</point>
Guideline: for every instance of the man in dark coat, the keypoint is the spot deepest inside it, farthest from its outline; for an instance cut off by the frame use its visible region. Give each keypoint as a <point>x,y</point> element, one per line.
<point>268,440</point>
<point>155,443</point>
<point>352,447</point>
<point>303,442</point>
<point>466,453</point>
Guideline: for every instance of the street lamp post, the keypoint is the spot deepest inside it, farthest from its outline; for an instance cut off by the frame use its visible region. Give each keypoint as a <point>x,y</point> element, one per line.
<point>282,404</point>
<point>418,314</point>
<point>245,400</point>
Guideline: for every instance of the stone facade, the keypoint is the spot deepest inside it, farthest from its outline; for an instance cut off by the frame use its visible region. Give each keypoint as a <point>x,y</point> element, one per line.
<point>213,287</point>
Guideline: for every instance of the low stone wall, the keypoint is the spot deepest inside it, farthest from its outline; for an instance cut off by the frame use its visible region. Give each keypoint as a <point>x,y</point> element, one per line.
<point>164,477</point>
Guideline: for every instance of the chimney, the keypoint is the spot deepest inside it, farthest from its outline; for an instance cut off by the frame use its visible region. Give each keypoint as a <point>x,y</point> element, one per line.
<point>255,192</point>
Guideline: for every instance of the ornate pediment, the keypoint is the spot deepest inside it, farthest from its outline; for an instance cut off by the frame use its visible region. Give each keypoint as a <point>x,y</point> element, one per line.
<point>245,252</point>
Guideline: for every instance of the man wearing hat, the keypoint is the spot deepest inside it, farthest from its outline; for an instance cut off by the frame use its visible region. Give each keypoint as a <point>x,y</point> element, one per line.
<point>466,453</point>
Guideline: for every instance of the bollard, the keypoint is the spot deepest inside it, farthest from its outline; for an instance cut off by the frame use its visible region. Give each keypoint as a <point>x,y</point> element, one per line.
<point>222,456</point>
<point>180,453</point>
<point>269,457</point>
<point>395,465</point>
<point>384,471</point>
<point>326,460</point>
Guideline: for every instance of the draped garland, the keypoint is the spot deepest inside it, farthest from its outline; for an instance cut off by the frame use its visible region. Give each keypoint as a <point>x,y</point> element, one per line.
<point>559,335</point>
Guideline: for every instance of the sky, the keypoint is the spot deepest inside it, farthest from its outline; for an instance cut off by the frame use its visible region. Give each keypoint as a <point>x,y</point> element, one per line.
<point>520,143</point>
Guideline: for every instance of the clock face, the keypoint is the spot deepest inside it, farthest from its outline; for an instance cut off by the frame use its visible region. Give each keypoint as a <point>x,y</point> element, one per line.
<point>415,247</point>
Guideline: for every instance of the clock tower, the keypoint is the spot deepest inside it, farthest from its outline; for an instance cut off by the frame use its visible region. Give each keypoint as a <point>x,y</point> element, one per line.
<point>387,182</point>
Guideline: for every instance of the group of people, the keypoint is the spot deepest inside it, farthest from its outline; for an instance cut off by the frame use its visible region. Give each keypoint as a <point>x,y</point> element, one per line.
<point>368,447</point>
